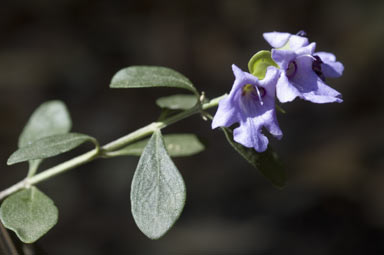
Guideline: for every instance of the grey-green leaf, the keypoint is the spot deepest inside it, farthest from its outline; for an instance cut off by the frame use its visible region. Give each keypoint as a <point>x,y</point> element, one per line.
<point>177,102</point>
<point>177,145</point>
<point>49,146</point>
<point>29,213</point>
<point>150,76</point>
<point>158,191</point>
<point>48,119</point>
<point>266,162</point>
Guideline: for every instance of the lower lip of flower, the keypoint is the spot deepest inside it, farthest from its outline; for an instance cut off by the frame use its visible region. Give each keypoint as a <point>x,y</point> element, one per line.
<point>291,70</point>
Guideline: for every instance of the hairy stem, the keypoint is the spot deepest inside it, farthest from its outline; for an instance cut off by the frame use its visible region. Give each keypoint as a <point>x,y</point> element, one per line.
<point>110,147</point>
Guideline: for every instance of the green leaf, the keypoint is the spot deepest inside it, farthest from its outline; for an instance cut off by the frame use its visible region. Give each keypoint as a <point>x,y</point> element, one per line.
<point>29,213</point>
<point>266,162</point>
<point>50,118</point>
<point>259,63</point>
<point>158,190</point>
<point>49,146</point>
<point>151,76</point>
<point>177,145</point>
<point>177,102</point>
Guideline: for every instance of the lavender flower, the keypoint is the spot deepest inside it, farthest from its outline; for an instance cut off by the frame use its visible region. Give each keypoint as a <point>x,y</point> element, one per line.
<point>303,72</point>
<point>286,41</point>
<point>251,103</point>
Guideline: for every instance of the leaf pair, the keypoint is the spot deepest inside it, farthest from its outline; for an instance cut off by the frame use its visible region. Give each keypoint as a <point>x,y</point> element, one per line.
<point>29,212</point>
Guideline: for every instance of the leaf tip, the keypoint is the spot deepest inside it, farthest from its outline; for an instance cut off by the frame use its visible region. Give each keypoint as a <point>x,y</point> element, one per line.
<point>11,160</point>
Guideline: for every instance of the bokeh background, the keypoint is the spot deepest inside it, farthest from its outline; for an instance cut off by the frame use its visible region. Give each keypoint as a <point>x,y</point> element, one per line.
<point>334,154</point>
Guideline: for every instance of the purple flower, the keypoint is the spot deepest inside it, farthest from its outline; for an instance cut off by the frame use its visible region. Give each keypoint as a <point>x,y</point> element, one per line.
<point>329,66</point>
<point>286,40</point>
<point>251,103</point>
<point>303,71</point>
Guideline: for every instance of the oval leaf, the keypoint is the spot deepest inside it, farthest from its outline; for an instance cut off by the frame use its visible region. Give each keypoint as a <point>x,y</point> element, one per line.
<point>50,118</point>
<point>158,190</point>
<point>29,213</point>
<point>49,146</point>
<point>177,102</point>
<point>266,162</point>
<point>177,145</point>
<point>259,63</point>
<point>150,76</point>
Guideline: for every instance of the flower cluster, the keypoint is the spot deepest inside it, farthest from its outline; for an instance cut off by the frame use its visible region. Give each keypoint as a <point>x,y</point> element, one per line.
<point>296,71</point>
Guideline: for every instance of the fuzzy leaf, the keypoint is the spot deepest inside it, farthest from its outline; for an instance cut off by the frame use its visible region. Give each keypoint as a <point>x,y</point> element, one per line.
<point>266,162</point>
<point>50,118</point>
<point>150,76</point>
<point>29,213</point>
<point>177,145</point>
<point>158,190</point>
<point>177,102</point>
<point>49,146</point>
<point>259,63</point>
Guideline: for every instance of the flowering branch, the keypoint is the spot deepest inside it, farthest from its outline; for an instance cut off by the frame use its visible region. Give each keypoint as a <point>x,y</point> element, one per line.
<point>292,69</point>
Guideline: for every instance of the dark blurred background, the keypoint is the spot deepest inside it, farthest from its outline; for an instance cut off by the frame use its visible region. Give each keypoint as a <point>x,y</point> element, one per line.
<point>334,154</point>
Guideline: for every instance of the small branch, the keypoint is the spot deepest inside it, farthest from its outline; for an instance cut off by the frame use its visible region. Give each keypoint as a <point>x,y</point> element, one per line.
<point>63,167</point>
<point>108,148</point>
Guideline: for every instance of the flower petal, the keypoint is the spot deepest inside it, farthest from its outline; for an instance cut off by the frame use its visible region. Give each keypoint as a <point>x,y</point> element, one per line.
<point>241,78</point>
<point>226,114</point>
<point>249,134</point>
<point>270,122</point>
<point>323,94</point>
<point>285,90</point>
<point>330,67</point>
<point>229,108</point>
<point>326,56</point>
<point>311,87</point>
<point>252,119</point>
<point>270,79</point>
<point>296,42</point>
<point>283,57</point>
<point>306,50</point>
<point>276,39</point>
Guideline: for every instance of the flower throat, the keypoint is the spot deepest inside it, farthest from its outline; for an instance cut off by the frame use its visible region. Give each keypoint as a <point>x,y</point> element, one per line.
<point>255,92</point>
